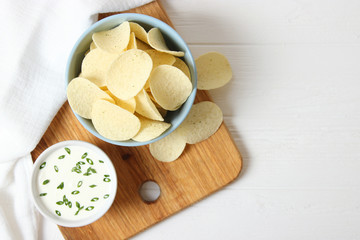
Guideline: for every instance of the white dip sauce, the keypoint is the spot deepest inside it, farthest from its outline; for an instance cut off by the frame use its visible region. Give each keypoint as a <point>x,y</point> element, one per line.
<point>73,183</point>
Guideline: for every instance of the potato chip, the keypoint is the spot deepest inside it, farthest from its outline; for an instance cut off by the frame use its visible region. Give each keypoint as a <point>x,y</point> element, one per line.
<point>132,42</point>
<point>113,122</point>
<point>160,58</point>
<point>146,107</point>
<point>114,40</point>
<point>82,94</point>
<point>92,45</point>
<point>150,129</point>
<point>129,104</point>
<point>169,86</point>
<point>168,148</point>
<point>128,73</point>
<point>213,70</point>
<point>203,120</point>
<point>157,41</point>
<point>180,64</point>
<point>139,31</point>
<point>141,45</point>
<point>95,66</point>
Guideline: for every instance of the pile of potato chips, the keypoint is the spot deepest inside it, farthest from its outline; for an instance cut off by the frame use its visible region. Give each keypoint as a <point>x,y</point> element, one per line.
<point>129,80</point>
<point>204,118</point>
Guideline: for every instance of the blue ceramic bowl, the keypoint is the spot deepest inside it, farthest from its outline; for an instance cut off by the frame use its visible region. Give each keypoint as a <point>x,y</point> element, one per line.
<point>174,42</point>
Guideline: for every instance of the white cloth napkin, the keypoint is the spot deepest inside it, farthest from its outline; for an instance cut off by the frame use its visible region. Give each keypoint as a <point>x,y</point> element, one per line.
<point>36,39</point>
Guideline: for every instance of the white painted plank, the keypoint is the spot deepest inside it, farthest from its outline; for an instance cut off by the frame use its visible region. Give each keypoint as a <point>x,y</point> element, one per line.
<point>265,22</point>
<point>266,214</point>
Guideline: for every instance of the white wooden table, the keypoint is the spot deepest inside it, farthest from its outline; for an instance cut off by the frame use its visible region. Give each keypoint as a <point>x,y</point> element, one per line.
<point>293,108</point>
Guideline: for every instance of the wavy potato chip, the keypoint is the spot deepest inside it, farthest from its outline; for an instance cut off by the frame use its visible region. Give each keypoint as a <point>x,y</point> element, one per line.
<point>95,66</point>
<point>180,64</point>
<point>132,42</point>
<point>169,86</point>
<point>82,94</point>
<point>146,108</point>
<point>139,31</point>
<point>203,120</point>
<point>150,129</point>
<point>114,40</point>
<point>128,73</point>
<point>114,122</point>
<point>168,148</point>
<point>157,41</point>
<point>160,58</point>
<point>129,104</point>
<point>213,70</point>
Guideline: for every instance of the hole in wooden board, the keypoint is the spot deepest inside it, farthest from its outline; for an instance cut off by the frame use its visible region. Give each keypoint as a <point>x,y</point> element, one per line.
<point>149,191</point>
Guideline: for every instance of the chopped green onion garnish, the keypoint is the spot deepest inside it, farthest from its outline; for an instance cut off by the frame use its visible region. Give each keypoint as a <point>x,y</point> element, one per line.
<point>61,186</point>
<point>90,161</point>
<point>89,208</point>
<point>46,181</point>
<point>42,165</point>
<point>84,155</point>
<point>68,150</point>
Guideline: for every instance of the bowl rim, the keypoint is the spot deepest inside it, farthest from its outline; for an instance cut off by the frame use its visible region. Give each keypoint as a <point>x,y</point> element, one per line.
<point>152,21</point>
<point>63,222</point>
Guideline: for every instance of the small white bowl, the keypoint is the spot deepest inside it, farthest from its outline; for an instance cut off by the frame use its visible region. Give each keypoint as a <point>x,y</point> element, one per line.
<point>103,208</point>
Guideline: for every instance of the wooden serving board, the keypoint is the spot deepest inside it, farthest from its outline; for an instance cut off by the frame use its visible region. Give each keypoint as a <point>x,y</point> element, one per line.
<point>201,170</point>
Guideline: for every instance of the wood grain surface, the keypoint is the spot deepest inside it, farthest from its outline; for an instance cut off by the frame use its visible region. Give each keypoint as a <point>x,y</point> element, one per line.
<point>201,170</point>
